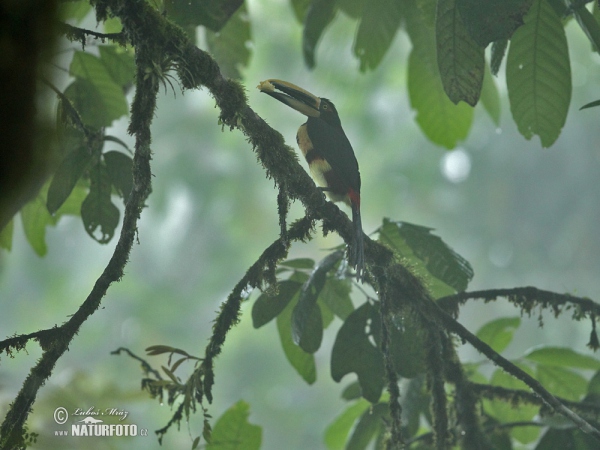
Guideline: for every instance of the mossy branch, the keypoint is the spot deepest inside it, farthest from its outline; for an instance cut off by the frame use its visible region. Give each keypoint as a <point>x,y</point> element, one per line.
<point>12,429</point>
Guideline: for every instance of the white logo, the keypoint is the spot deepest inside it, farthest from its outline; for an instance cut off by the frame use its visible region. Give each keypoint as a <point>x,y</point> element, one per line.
<point>60,415</point>
<point>91,420</point>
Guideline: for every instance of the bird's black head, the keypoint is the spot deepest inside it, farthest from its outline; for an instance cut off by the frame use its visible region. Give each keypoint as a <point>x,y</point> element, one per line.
<point>328,113</point>
<point>301,100</point>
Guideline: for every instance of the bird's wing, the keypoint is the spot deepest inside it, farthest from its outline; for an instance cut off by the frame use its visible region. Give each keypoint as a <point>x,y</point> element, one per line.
<point>332,143</point>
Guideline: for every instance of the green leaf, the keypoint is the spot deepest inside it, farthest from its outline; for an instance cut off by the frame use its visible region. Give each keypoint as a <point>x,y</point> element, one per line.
<point>35,217</point>
<point>443,122</point>
<point>6,235</point>
<point>319,14</point>
<point>498,51</point>
<point>327,315</point>
<point>562,382</point>
<point>428,251</point>
<point>300,8</point>
<point>499,332</point>
<point>307,326</point>
<point>587,22</point>
<point>212,14</point>
<point>72,206</point>
<point>337,432</point>
<point>354,352</point>
<point>376,31</point>
<point>119,64</point>
<point>233,431</point>
<point>352,391</point>
<point>563,357</point>
<point>490,98</point>
<point>70,170</point>
<point>460,59</point>
<point>97,210</point>
<point>231,45</point>
<point>299,263</point>
<point>336,296</point>
<point>120,167</point>
<point>307,323</point>
<point>572,438</point>
<point>370,424</point>
<point>97,98</point>
<point>505,412</point>
<point>267,307</point>
<point>491,20</point>
<point>538,74</point>
<point>407,345</point>
<point>594,384</point>
<point>113,25</point>
<point>76,11</point>
<point>303,362</point>
<point>354,8</point>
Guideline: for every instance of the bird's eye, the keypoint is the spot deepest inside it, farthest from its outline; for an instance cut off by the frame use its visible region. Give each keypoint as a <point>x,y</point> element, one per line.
<point>325,106</point>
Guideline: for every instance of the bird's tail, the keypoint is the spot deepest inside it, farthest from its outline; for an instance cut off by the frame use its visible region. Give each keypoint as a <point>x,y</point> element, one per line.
<point>357,252</point>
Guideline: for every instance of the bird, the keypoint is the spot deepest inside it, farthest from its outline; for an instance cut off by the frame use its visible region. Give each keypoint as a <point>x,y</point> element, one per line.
<point>329,155</point>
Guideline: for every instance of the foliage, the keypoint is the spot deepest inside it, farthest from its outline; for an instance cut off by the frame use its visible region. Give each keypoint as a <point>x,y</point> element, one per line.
<point>403,333</point>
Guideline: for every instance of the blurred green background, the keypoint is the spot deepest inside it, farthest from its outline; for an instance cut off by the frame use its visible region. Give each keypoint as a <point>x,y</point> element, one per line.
<point>522,215</point>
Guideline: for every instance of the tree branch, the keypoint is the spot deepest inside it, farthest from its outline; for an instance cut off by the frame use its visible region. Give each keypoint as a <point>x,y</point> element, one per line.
<point>80,34</point>
<point>526,298</point>
<point>143,107</point>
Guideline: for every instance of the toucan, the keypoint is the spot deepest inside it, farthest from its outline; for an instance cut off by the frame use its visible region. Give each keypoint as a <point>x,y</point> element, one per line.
<point>328,153</point>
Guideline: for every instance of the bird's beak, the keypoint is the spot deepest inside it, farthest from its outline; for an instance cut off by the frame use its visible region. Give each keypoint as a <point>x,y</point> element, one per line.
<point>292,95</point>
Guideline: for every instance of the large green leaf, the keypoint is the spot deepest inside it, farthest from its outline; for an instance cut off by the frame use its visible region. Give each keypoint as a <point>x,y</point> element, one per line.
<point>307,321</point>
<point>499,332</point>
<point>119,64</point>
<point>6,236</point>
<point>233,431</point>
<point>354,352</point>
<point>491,20</point>
<point>538,74</point>
<point>230,46</point>
<point>76,11</point>
<point>407,345</point>
<point>460,59</point>
<point>267,307</point>
<point>562,382</point>
<point>35,218</point>
<point>504,411</point>
<point>562,357</point>
<point>303,362</point>
<point>443,122</point>
<point>370,424</point>
<point>120,166</point>
<point>300,8</point>
<point>320,13</point>
<point>429,255</point>
<point>337,432</point>
<point>588,23</point>
<point>355,8</point>
<point>336,296</point>
<point>67,174</point>
<point>97,210</point>
<point>94,93</point>
<point>376,31</point>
